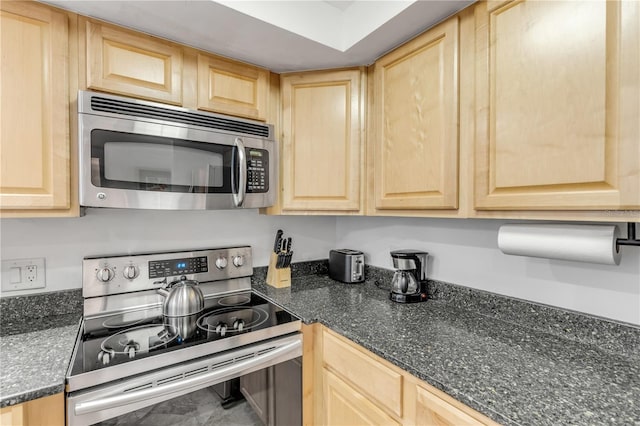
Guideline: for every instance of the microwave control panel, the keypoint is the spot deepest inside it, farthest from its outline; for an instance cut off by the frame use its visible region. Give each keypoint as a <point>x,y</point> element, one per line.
<point>257,170</point>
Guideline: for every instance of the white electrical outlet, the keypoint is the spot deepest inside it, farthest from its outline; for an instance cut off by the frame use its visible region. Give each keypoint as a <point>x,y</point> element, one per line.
<point>23,274</point>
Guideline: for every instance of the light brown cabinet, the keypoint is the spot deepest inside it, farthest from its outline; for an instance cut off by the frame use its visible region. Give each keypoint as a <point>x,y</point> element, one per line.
<point>557,101</point>
<point>47,411</point>
<point>35,151</point>
<point>322,154</point>
<point>131,63</point>
<point>345,406</point>
<point>355,386</point>
<point>415,140</point>
<point>232,88</point>
<point>134,64</point>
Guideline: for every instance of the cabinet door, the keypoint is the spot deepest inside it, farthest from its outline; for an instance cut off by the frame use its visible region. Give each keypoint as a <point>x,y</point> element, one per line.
<point>557,105</point>
<point>12,416</point>
<point>346,406</point>
<point>322,150</point>
<point>416,123</point>
<point>34,135</point>
<point>133,64</point>
<point>232,88</point>
<point>48,410</point>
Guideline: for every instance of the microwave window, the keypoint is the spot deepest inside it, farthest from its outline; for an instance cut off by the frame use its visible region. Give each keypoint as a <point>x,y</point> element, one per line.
<point>158,166</point>
<point>149,163</point>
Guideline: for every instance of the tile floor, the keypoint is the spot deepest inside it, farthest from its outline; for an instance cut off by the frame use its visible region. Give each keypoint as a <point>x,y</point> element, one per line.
<point>195,409</point>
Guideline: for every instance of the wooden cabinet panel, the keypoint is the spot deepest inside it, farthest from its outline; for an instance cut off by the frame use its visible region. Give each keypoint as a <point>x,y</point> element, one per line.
<point>47,411</point>
<point>232,88</point>
<point>345,406</point>
<point>322,154</point>
<point>432,410</point>
<point>133,64</point>
<point>34,135</point>
<point>381,384</point>
<point>416,123</point>
<point>557,106</point>
<point>12,415</point>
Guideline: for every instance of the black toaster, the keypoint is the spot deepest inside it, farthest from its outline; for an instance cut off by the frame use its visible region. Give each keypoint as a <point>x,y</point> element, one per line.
<point>346,265</point>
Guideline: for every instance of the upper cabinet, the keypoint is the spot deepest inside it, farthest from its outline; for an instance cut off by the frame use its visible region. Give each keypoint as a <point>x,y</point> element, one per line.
<point>557,99</point>
<point>232,88</point>
<point>34,136</point>
<point>134,64</point>
<point>322,146</point>
<point>141,66</point>
<point>415,141</point>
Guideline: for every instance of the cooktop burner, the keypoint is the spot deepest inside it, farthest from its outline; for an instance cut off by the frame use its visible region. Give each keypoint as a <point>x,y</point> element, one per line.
<point>131,336</point>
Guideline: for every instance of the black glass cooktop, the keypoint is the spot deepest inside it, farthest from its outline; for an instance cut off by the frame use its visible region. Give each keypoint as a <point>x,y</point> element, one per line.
<point>136,335</point>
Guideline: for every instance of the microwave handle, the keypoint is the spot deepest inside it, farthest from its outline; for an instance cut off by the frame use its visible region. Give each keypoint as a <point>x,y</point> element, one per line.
<point>239,192</point>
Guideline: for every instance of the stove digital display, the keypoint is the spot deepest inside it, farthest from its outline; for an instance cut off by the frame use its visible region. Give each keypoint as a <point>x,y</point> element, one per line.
<point>170,267</point>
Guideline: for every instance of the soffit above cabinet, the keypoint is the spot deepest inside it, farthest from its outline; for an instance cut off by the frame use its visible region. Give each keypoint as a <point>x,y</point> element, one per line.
<point>282,36</point>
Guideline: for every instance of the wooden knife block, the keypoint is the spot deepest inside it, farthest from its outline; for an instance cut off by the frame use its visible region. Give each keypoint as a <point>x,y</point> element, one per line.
<point>278,277</point>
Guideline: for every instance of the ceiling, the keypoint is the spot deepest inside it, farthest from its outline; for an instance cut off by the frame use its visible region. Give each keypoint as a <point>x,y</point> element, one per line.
<point>282,36</point>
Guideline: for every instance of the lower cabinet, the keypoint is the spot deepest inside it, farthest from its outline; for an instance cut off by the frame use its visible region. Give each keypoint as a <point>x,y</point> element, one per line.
<point>355,386</point>
<point>47,411</point>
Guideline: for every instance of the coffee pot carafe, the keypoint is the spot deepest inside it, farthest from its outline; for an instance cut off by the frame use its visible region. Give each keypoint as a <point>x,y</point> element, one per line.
<point>410,279</point>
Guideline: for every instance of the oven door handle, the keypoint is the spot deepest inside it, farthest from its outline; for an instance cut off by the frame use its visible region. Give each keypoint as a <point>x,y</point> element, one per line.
<point>239,191</point>
<point>288,351</point>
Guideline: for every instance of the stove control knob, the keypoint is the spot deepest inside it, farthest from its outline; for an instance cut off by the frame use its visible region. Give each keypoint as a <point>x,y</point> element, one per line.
<point>221,262</point>
<point>131,272</point>
<point>238,324</point>
<point>221,329</point>
<point>238,261</point>
<point>105,274</point>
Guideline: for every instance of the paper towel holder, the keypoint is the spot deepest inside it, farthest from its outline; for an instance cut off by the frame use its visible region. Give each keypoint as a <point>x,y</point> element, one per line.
<point>631,239</point>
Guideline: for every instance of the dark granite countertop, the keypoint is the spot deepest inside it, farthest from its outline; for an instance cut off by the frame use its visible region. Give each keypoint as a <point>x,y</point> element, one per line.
<point>516,362</point>
<point>37,335</point>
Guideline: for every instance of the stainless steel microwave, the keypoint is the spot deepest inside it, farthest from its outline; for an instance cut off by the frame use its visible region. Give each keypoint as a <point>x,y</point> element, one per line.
<point>145,155</point>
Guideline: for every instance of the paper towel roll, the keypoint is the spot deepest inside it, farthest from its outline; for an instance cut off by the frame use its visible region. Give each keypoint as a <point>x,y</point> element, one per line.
<point>581,243</point>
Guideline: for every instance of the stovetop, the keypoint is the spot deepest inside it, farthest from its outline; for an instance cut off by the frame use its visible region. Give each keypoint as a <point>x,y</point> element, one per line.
<point>135,336</point>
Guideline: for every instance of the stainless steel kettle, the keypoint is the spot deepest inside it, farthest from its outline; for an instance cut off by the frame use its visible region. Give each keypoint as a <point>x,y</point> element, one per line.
<point>182,298</point>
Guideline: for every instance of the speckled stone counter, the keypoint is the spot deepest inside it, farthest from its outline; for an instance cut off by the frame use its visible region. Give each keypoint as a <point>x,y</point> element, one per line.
<point>519,363</point>
<point>36,340</point>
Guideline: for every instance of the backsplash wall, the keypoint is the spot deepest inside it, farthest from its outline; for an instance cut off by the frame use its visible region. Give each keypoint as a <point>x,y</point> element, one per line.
<point>462,252</point>
<point>465,252</point>
<point>64,242</point>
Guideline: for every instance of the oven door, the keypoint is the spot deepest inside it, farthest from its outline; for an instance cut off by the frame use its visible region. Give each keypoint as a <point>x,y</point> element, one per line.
<point>138,164</point>
<point>165,390</point>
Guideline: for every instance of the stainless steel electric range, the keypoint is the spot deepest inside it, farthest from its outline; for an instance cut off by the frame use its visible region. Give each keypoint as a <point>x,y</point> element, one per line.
<point>133,350</point>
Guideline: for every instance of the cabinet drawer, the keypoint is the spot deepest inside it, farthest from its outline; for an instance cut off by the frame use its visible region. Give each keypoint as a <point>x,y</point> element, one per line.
<point>346,406</point>
<point>365,373</point>
<point>433,410</point>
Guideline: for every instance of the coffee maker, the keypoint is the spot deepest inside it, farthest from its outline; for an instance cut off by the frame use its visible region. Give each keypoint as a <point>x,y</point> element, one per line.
<point>409,284</point>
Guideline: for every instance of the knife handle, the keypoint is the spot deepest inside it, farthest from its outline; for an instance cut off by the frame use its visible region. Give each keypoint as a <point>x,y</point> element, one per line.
<point>276,246</point>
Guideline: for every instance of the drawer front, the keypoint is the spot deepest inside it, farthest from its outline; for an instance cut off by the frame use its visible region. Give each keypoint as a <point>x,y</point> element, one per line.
<point>432,410</point>
<point>365,373</point>
<point>346,406</point>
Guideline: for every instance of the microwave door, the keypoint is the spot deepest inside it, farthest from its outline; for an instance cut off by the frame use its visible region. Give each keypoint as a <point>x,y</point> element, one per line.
<point>146,171</point>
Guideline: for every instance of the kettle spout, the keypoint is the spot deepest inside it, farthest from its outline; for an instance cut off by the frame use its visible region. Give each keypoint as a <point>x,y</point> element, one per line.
<point>162,292</point>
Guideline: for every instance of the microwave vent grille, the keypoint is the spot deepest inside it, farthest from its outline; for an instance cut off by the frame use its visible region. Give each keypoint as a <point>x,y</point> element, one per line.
<point>115,106</point>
